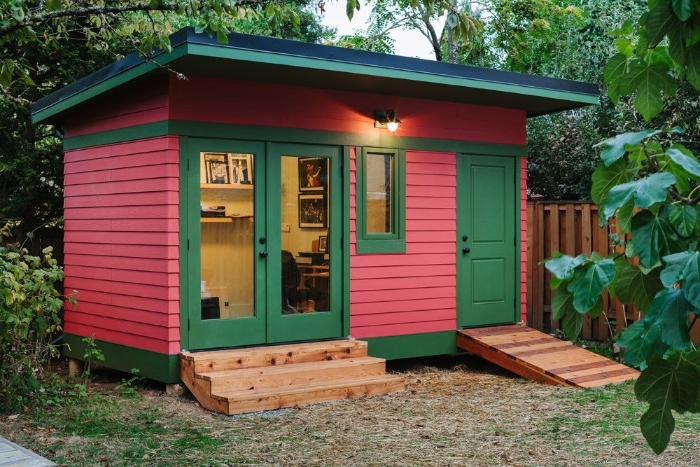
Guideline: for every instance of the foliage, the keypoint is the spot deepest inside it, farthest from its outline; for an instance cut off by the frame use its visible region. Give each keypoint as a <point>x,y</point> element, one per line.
<point>461,27</point>
<point>649,180</point>
<point>29,318</point>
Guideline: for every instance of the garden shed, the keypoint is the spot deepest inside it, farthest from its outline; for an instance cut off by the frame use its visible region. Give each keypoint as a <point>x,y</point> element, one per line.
<point>266,191</point>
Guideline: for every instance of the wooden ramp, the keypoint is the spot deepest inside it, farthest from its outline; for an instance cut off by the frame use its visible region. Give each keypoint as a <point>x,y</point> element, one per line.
<point>540,357</point>
<point>274,377</point>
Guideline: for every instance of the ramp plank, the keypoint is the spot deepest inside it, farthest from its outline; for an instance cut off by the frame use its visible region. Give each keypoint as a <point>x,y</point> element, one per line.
<point>540,357</point>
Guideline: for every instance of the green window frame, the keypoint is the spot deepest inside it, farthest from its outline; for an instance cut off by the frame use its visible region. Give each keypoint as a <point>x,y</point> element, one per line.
<point>391,237</point>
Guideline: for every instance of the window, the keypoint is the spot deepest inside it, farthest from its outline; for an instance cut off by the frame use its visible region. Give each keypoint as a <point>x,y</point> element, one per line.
<point>380,201</point>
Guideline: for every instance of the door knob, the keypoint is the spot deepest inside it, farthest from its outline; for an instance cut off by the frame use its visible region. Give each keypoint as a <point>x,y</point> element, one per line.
<point>466,250</point>
<point>262,240</point>
<point>263,254</point>
<point>464,238</point>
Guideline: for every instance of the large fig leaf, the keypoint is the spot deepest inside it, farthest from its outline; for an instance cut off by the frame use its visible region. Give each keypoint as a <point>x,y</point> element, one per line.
<point>684,268</point>
<point>571,324</point>
<point>670,310</point>
<point>667,385</point>
<point>640,340</point>
<point>683,219</point>
<point>562,303</point>
<point>646,192</point>
<point>588,283</point>
<point>650,81</point>
<point>614,148</point>
<point>563,266</point>
<point>634,286</point>
<point>652,237</point>
<point>690,164</point>
<point>605,177</point>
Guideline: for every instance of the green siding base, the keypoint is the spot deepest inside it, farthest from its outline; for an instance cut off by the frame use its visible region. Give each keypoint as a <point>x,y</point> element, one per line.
<point>152,365</point>
<point>413,345</point>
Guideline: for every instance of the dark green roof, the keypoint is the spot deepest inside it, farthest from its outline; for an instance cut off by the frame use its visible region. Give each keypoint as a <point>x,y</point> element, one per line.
<point>265,59</point>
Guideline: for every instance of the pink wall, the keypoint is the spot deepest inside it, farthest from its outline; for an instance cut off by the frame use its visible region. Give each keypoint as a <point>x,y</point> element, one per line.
<point>121,243</point>
<point>415,292</point>
<point>122,215</point>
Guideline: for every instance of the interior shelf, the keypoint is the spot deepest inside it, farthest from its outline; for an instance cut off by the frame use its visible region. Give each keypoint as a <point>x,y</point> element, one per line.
<point>227,219</point>
<point>225,186</point>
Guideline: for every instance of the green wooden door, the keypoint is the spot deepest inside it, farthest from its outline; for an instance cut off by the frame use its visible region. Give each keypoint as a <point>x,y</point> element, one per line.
<point>246,204</point>
<point>486,262</point>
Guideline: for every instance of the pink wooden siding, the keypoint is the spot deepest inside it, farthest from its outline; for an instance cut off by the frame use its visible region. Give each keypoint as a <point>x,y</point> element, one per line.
<point>145,103</point>
<point>263,104</point>
<point>121,243</point>
<point>392,294</point>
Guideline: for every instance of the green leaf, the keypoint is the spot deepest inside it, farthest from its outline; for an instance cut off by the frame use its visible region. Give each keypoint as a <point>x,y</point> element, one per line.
<point>646,192</point>
<point>588,283</point>
<point>658,23</point>
<point>612,74</point>
<point>684,267</point>
<point>605,177</point>
<point>624,217</point>
<point>633,286</point>
<point>653,237</point>
<point>562,303</point>
<point>688,163</point>
<point>656,425</point>
<point>563,266</point>
<point>639,340</point>
<point>683,219</point>
<point>670,309</point>
<point>682,8</point>
<point>650,80</point>
<point>572,324</point>
<point>614,148</point>
<point>692,63</point>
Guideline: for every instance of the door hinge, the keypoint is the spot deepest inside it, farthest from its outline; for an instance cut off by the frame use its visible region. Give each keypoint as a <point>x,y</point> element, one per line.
<point>188,244</point>
<point>188,324</point>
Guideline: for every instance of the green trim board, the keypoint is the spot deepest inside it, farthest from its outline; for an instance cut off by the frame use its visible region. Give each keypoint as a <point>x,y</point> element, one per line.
<point>395,240</point>
<point>413,345</point>
<point>288,135</point>
<point>345,239</point>
<point>265,59</point>
<point>157,366</point>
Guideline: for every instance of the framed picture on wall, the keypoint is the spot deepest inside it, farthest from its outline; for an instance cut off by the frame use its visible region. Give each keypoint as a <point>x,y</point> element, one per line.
<point>323,243</point>
<point>312,210</point>
<point>215,170</point>
<point>241,169</point>
<point>313,173</point>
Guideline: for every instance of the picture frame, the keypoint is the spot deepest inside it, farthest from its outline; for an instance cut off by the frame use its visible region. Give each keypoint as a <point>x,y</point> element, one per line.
<point>215,169</point>
<point>241,169</point>
<point>323,243</point>
<point>312,211</point>
<point>313,174</point>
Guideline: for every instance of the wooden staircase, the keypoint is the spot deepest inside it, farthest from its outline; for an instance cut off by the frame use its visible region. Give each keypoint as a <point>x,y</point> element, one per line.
<point>273,377</point>
<point>540,357</point>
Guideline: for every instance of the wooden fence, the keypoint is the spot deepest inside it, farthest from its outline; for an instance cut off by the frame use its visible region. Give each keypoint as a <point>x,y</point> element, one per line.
<point>569,228</point>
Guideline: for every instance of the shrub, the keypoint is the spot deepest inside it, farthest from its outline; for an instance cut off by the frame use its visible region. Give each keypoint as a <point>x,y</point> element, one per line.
<point>30,309</point>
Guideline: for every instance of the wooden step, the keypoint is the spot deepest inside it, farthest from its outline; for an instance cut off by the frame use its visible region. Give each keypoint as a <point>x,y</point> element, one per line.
<point>297,395</point>
<point>289,375</point>
<point>251,357</point>
<point>538,356</point>
<point>272,377</point>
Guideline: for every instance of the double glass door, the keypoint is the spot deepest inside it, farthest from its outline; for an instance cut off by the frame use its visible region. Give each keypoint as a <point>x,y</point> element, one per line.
<point>263,260</point>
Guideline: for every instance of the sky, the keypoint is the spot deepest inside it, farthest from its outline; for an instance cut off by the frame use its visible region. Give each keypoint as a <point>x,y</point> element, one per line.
<point>407,43</point>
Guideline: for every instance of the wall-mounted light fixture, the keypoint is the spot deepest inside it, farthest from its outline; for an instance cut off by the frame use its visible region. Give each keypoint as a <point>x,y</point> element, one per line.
<point>386,119</point>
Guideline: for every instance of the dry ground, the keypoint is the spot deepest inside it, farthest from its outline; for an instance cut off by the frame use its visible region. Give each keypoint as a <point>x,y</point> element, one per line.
<point>457,411</point>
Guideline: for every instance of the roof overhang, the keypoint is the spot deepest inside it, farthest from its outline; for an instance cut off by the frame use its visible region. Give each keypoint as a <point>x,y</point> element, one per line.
<point>264,59</point>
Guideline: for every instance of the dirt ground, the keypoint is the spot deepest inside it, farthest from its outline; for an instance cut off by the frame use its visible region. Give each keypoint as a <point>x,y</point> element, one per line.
<point>458,411</point>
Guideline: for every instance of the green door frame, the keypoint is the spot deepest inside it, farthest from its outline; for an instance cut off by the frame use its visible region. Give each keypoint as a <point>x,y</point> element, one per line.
<point>268,325</point>
<point>487,250</point>
<point>306,326</point>
<point>214,333</point>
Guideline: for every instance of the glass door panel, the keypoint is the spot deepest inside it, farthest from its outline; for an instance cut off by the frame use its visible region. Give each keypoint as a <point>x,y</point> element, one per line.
<point>227,273</point>
<point>310,280</point>
<point>227,235</point>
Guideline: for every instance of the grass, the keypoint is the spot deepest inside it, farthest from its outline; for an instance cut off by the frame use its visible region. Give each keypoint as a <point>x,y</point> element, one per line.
<point>456,411</point>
